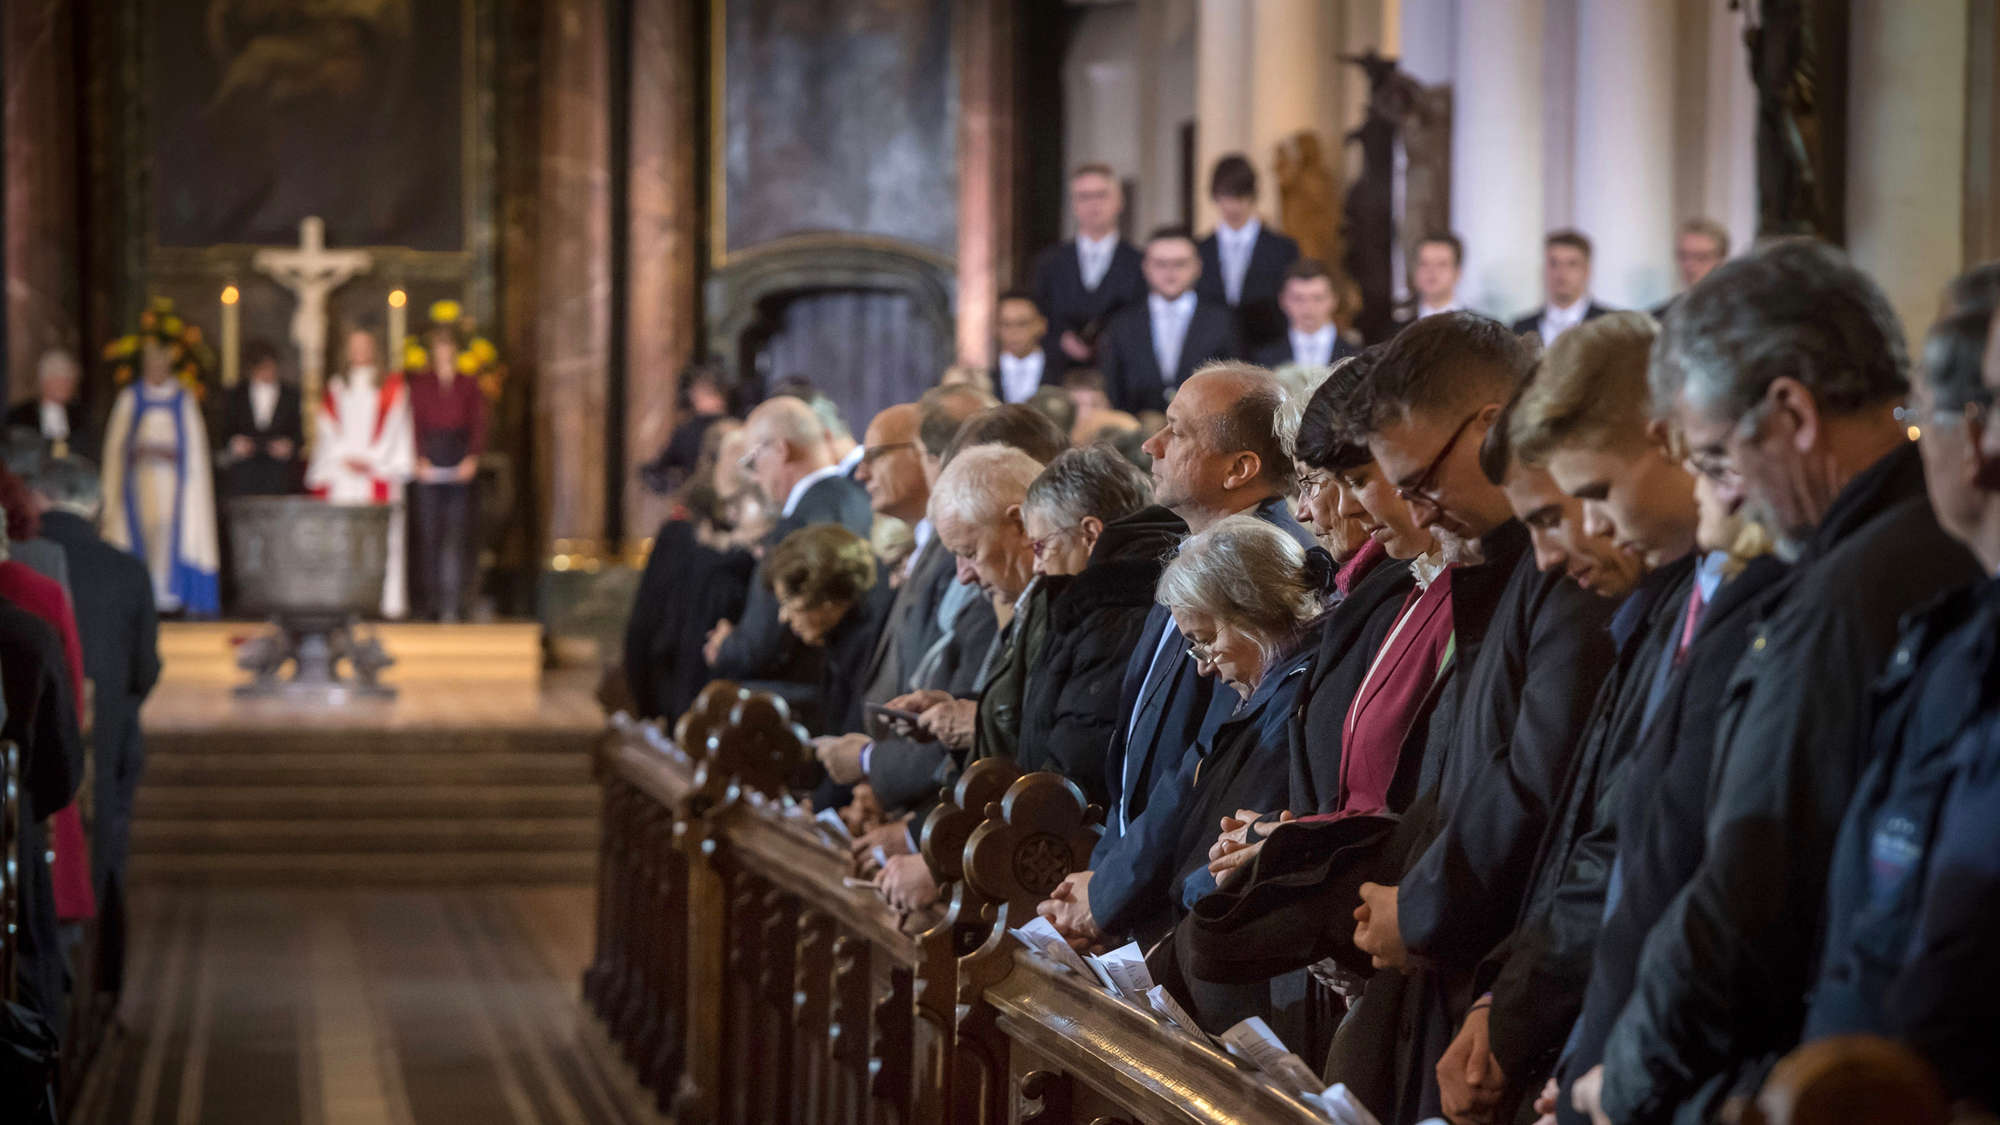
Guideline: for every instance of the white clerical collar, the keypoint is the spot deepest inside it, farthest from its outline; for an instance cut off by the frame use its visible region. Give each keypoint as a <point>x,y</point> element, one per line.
<point>805,482</point>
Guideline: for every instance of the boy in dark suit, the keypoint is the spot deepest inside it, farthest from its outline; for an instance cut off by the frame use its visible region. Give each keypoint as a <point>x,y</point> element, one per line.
<point>1079,284</point>
<point>1243,262</point>
<point>1152,347</point>
<point>1566,279</point>
<point>1311,338</point>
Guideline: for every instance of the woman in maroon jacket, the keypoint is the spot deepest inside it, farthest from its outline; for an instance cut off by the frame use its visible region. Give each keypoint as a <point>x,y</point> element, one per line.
<point>449,413</point>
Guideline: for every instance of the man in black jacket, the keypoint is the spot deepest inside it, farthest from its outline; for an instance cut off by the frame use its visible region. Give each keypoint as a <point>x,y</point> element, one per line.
<point>786,453</point>
<point>55,412</point>
<point>119,629</point>
<point>1566,281</point>
<point>1309,335</point>
<point>1081,283</point>
<point>262,430</point>
<point>1530,651</point>
<point>1783,369</point>
<point>1243,262</point>
<point>1153,345</point>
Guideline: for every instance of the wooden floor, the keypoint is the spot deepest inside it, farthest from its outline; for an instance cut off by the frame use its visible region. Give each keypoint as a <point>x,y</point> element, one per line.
<point>273,1007</point>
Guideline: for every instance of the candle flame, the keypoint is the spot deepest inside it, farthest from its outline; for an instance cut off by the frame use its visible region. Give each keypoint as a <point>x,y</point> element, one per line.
<point>398,298</point>
<point>230,295</point>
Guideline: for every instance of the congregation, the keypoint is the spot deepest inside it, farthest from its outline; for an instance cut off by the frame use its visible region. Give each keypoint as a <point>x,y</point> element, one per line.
<point>1551,720</point>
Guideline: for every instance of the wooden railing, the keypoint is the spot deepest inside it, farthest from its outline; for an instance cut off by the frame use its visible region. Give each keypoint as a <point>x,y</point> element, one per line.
<point>747,984</point>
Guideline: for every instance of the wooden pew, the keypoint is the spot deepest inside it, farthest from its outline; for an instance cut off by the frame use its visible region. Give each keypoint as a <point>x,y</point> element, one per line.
<point>1851,1080</point>
<point>748,984</point>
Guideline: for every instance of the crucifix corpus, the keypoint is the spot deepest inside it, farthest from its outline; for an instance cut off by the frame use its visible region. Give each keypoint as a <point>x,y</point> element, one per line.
<point>311,272</point>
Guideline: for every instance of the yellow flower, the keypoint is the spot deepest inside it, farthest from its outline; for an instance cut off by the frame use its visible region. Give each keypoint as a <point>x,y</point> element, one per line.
<point>446,312</point>
<point>122,346</point>
<point>163,305</point>
<point>415,358</point>
<point>171,325</point>
<point>467,363</point>
<point>483,350</point>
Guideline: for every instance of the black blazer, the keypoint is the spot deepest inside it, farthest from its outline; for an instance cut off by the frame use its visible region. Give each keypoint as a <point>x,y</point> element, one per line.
<point>1278,352</point>
<point>1132,374</point>
<point>1533,321</point>
<point>262,474</point>
<point>1259,321</point>
<point>28,416</point>
<point>761,649</point>
<point>1058,290</point>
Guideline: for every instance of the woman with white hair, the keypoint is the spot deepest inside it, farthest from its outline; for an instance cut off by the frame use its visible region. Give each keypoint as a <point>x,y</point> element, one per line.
<point>1246,597</point>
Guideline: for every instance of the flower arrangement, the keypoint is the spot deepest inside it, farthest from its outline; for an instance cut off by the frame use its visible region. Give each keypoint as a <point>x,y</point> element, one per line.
<point>477,357</point>
<point>188,354</point>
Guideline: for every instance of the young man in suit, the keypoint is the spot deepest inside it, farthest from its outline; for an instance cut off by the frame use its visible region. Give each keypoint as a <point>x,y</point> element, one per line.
<point>1434,275</point>
<point>1243,262</point>
<point>1152,347</point>
<point>1311,338</point>
<point>1025,365</point>
<point>262,430</point>
<point>1701,245</point>
<point>1566,280</point>
<point>54,412</point>
<point>1079,284</point>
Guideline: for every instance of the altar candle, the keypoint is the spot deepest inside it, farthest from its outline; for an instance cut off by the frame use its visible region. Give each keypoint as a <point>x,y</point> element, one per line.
<point>399,314</point>
<point>232,334</point>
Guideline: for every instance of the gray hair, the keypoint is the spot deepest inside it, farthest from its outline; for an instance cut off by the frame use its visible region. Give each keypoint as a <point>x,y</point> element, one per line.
<point>830,418</point>
<point>55,361</point>
<point>1247,573</point>
<point>981,483</point>
<point>1095,480</point>
<point>1298,381</point>
<point>70,484</point>
<point>1795,308</point>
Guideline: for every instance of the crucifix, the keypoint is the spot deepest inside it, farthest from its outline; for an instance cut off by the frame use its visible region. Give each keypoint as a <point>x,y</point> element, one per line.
<point>311,272</point>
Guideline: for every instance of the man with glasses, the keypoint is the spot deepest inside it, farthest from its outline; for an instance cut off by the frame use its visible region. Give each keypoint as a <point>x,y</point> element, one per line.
<point>786,454</point>
<point>1529,650</point>
<point>1783,369</point>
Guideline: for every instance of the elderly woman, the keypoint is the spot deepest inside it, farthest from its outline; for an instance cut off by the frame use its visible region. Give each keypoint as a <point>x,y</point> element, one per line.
<point>832,596</point>
<point>1099,549</point>
<point>1315,505</point>
<point>1246,597</point>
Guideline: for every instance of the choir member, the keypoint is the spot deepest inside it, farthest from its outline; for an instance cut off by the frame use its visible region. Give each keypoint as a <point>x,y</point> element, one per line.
<point>1244,263</point>
<point>1566,282</point>
<point>1081,283</point>
<point>1151,347</point>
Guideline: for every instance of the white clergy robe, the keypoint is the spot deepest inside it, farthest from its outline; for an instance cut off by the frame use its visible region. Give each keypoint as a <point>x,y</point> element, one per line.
<point>364,452</point>
<point>159,494</point>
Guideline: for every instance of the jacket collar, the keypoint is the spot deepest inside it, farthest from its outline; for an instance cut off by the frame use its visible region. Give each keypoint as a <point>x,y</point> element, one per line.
<point>1476,590</point>
<point>1897,476</point>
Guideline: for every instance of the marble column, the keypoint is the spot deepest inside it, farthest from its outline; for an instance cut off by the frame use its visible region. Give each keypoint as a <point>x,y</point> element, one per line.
<point>1906,131</point>
<point>661,333</point>
<point>41,128</point>
<point>1222,65</point>
<point>574,307</point>
<point>983,31</point>
<point>1496,150</point>
<point>1623,184</point>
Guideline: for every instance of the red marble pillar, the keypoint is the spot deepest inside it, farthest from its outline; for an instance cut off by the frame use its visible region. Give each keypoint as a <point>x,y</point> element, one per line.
<point>40,129</point>
<point>662,227</point>
<point>984,32</point>
<point>573,320</point>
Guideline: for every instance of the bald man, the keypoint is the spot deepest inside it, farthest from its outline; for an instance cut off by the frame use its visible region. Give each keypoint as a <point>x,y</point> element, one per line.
<point>785,452</point>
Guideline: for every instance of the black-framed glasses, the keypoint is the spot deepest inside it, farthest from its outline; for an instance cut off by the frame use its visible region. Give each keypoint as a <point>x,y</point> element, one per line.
<point>1423,488</point>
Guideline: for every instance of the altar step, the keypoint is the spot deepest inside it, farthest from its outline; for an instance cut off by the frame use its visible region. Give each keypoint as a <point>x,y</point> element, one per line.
<point>404,805</point>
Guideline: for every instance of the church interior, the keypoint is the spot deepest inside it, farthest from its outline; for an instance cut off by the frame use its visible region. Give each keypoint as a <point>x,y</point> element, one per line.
<point>472,467</point>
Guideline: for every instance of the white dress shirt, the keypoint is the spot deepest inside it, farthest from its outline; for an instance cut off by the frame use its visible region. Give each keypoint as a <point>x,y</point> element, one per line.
<point>806,482</point>
<point>1093,257</point>
<point>1424,310</point>
<point>55,421</point>
<point>1314,349</point>
<point>1232,249</point>
<point>1170,325</point>
<point>1020,376</point>
<point>263,403</point>
<point>1557,319</point>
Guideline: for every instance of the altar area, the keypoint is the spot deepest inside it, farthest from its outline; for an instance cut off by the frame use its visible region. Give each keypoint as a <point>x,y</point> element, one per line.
<point>477,773</point>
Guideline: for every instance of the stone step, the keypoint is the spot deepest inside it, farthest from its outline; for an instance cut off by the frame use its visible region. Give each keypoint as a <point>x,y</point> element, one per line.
<point>361,768</point>
<point>278,802</point>
<point>452,868</point>
<point>416,837</point>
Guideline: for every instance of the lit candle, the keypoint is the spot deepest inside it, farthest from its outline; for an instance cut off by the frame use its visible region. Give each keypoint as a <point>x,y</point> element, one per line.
<point>232,334</point>
<point>399,315</point>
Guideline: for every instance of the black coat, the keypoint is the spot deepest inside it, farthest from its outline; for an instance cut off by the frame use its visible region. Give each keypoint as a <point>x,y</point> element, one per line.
<point>685,588</point>
<point>118,627</point>
<point>1720,988</point>
<point>760,651</point>
<point>1069,307</point>
<point>1132,376</point>
<point>82,435</point>
<point>1537,976</point>
<point>41,721</point>
<point>1353,634</point>
<point>1278,353</point>
<point>846,651</point>
<point>1533,321</point>
<point>1259,321</point>
<point>1664,806</point>
<point>261,473</point>
<point>1070,708</point>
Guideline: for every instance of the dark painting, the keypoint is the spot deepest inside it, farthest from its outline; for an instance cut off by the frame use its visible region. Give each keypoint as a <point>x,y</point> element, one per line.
<point>261,112</point>
<point>839,117</point>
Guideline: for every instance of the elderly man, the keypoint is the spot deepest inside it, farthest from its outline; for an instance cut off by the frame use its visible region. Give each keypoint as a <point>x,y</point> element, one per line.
<point>55,412</point>
<point>1217,455</point>
<point>786,454</point>
<point>1783,369</point>
<point>119,629</point>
